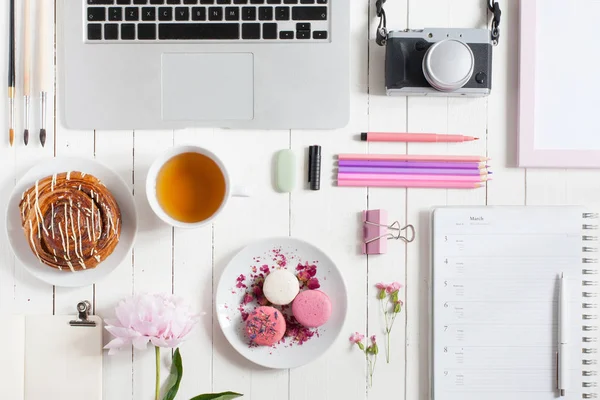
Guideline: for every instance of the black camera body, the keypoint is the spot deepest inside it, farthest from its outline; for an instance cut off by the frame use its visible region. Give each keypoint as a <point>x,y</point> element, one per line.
<point>439,62</point>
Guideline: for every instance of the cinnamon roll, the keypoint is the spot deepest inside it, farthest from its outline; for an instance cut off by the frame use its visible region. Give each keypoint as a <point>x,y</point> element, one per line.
<point>71,221</point>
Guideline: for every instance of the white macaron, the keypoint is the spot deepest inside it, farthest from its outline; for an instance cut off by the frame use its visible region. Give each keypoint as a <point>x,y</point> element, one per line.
<point>281,287</point>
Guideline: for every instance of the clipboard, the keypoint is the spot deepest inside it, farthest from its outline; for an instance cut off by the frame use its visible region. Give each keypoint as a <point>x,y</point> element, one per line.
<point>52,357</point>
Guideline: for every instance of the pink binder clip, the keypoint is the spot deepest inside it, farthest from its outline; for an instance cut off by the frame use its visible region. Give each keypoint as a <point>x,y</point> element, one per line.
<point>376,232</point>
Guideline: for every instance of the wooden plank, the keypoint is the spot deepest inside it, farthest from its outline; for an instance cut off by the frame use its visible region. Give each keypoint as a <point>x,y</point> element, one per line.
<point>444,115</point>
<point>387,114</point>
<point>245,220</point>
<point>31,295</point>
<point>115,149</point>
<point>508,186</point>
<point>193,279</point>
<point>7,182</point>
<point>152,257</point>
<point>330,219</point>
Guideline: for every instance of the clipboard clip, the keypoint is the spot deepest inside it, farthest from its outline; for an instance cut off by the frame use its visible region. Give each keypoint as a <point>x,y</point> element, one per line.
<point>83,313</point>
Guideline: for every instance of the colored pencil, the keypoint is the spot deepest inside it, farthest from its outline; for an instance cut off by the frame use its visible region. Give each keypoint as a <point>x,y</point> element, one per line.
<point>411,171</point>
<point>411,157</point>
<point>413,137</point>
<point>412,164</point>
<point>411,184</point>
<point>383,177</point>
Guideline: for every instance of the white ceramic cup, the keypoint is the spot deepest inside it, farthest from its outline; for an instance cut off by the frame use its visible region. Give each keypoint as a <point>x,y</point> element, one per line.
<point>157,166</point>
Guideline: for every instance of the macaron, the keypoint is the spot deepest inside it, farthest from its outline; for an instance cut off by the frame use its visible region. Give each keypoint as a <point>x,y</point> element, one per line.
<point>265,326</point>
<point>312,308</point>
<point>281,287</point>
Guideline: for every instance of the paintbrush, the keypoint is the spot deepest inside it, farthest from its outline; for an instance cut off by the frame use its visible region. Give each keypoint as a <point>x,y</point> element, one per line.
<point>11,73</point>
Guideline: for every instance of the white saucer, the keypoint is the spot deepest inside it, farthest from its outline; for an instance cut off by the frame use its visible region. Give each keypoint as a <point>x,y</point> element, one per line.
<point>228,298</point>
<point>20,246</point>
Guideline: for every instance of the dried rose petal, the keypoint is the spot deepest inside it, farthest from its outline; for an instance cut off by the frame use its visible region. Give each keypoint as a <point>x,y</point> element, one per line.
<point>247,298</point>
<point>313,284</point>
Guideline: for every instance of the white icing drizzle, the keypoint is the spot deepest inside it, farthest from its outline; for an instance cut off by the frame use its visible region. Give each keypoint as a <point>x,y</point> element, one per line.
<point>74,233</point>
<point>83,174</point>
<point>32,241</point>
<point>38,211</point>
<point>82,263</point>
<point>53,183</point>
<point>97,257</point>
<point>22,196</point>
<point>92,209</point>
<point>52,220</point>
<point>56,260</point>
<point>87,224</point>
<point>79,228</point>
<point>69,175</point>
<point>62,238</point>
<point>68,256</point>
<point>70,266</point>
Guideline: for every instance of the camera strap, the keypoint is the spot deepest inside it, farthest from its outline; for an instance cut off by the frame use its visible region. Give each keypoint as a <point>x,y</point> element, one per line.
<point>382,32</point>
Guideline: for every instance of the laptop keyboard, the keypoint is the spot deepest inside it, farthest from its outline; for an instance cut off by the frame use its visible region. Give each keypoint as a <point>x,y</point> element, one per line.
<point>198,20</point>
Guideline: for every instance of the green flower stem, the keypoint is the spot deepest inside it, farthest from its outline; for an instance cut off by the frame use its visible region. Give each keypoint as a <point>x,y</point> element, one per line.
<point>387,349</point>
<point>157,390</point>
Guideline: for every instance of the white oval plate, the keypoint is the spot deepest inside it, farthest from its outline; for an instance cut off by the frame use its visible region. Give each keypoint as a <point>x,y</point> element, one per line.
<point>229,297</point>
<point>20,246</point>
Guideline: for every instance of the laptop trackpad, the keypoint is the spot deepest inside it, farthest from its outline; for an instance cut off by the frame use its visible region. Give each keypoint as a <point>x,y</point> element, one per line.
<point>207,86</point>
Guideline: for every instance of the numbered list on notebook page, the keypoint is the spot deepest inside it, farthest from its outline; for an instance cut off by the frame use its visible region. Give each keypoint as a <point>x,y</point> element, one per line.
<point>496,273</point>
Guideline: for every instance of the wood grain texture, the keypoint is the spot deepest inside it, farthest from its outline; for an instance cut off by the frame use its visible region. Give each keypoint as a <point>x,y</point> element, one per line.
<point>190,263</point>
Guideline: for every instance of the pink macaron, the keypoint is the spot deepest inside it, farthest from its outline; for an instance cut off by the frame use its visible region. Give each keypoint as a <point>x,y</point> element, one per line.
<point>312,308</point>
<point>265,326</point>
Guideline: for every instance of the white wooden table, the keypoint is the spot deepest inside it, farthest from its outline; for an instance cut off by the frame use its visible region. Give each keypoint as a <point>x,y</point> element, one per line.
<point>189,263</point>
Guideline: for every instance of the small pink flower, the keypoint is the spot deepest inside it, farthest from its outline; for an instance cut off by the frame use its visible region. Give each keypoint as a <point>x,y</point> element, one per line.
<point>265,269</point>
<point>357,337</point>
<point>393,287</point>
<point>381,286</point>
<point>312,270</point>
<point>313,284</point>
<point>373,339</point>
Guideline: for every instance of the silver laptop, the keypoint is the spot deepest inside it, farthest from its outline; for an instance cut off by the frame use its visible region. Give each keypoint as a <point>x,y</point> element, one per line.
<point>165,64</point>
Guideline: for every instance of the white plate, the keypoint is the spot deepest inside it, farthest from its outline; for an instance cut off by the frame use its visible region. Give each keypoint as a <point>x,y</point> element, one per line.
<point>229,297</point>
<point>20,246</point>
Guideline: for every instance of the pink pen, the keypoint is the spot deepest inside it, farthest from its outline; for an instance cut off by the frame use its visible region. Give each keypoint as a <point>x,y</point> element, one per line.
<point>385,177</point>
<point>413,137</point>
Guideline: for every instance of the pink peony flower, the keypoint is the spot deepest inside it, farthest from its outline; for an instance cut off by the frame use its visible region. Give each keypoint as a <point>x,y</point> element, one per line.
<point>381,286</point>
<point>373,339</point>
<point>391,288</point>
<point>357,337</point>
<point>164,320</point>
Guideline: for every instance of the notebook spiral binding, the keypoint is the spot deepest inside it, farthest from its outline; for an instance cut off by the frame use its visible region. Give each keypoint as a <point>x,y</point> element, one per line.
<point>590,331</point>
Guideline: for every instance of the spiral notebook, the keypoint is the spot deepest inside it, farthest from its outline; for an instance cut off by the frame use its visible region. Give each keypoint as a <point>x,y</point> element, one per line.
<point>47,357</point>
<point>495,279</point>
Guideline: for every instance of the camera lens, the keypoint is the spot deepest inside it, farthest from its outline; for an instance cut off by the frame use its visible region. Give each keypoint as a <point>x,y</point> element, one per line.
<point>448,65</point>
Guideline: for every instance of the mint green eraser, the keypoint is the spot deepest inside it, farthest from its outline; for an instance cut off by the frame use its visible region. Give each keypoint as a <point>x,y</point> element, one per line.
<point>285,175</point>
